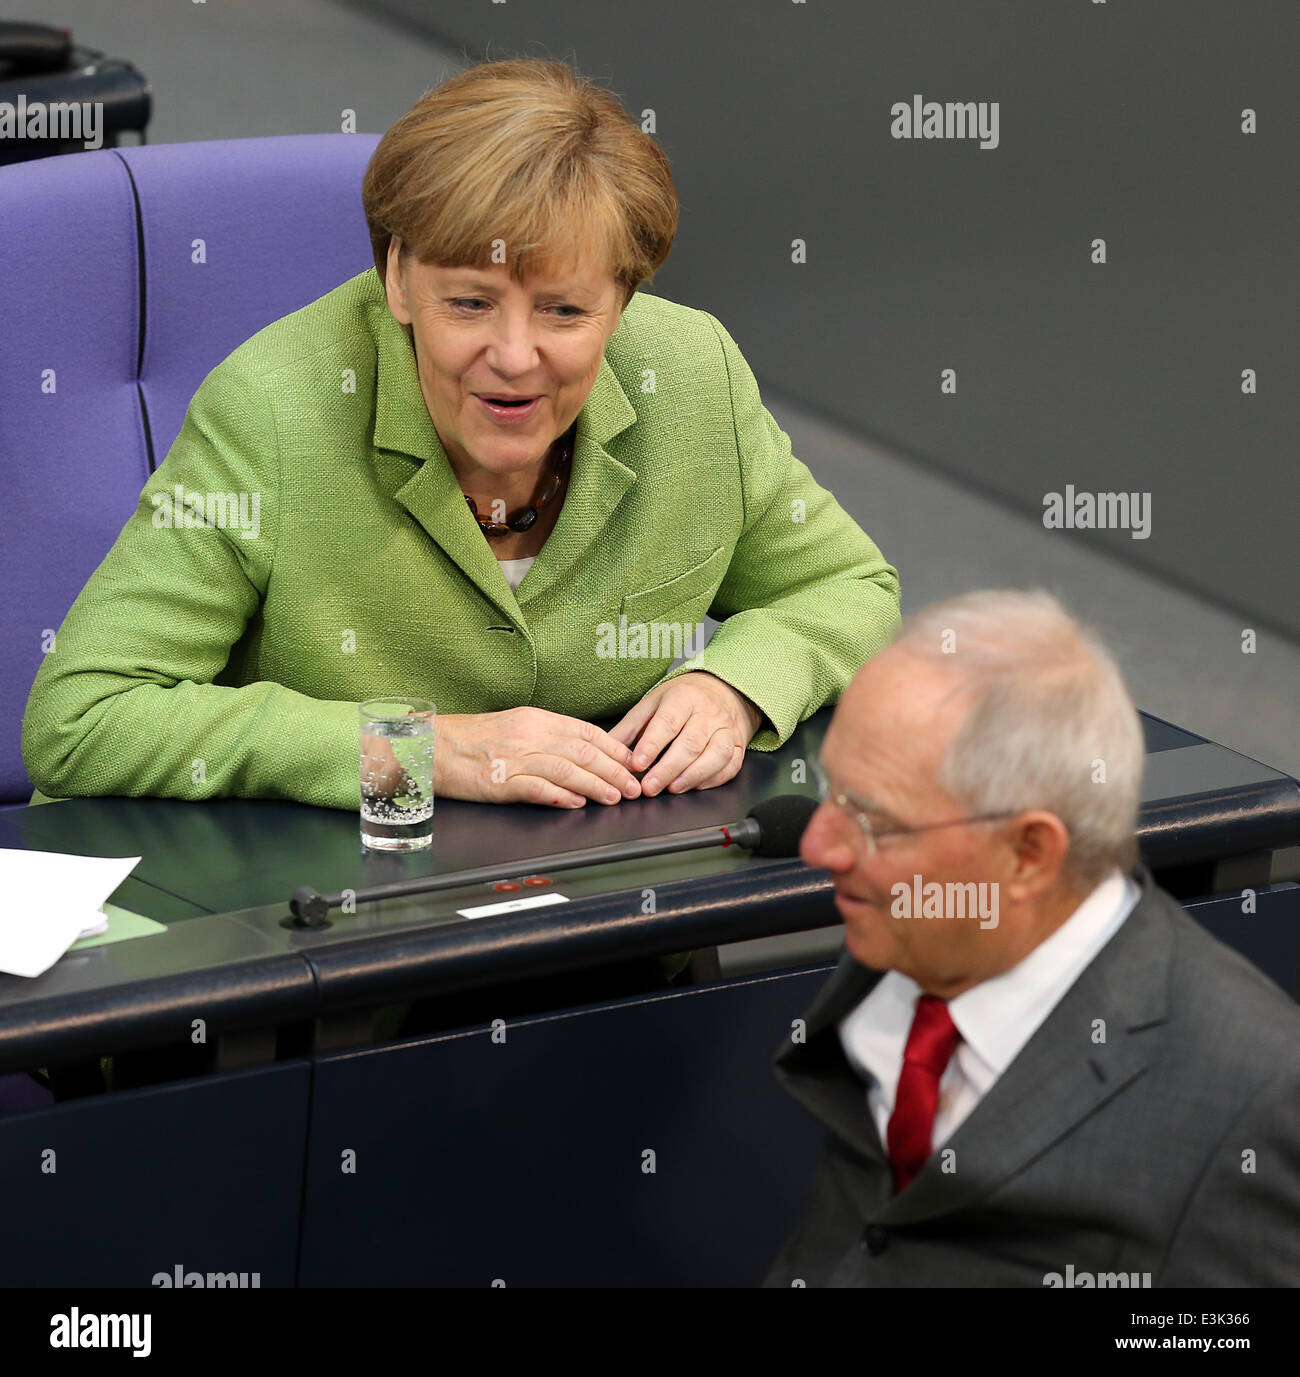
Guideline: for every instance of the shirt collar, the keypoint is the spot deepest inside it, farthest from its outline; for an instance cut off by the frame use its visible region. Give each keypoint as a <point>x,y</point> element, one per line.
<point>998,1016</point>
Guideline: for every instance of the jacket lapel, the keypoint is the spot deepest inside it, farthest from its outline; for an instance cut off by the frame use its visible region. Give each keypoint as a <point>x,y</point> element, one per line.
<point>597,482</point>
<point>1060,1077</point>
<point>817,1073</point>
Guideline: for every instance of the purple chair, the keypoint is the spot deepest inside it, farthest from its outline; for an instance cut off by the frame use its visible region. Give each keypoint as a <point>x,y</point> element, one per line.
<point>112,325</point>
<point>20,1092</point>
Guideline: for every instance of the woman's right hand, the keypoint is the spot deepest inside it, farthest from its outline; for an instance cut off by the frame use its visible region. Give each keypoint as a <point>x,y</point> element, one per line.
<point>529,755</point>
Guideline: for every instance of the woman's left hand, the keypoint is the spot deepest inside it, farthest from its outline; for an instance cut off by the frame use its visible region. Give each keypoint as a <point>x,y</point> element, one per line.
<point>708,723</point>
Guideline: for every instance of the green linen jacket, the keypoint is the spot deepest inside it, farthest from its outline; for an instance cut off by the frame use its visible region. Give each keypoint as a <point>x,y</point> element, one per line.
<point>305,545</point>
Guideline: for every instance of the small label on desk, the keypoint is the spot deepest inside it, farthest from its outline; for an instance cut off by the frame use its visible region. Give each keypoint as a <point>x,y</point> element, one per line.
<point>513,905</point>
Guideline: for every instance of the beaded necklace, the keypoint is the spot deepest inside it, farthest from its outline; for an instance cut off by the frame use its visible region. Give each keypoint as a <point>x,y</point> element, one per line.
<point>548,485</point>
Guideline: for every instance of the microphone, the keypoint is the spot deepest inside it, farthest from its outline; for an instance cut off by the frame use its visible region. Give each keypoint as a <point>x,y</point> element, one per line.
<point>772,828</point>
<point>780,823</point>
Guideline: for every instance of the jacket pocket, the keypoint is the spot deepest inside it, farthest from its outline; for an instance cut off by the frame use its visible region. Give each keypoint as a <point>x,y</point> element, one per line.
<point>650,604</point>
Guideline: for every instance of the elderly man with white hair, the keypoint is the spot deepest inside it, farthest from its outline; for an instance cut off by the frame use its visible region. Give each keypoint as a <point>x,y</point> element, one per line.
<point>1034,1068</point>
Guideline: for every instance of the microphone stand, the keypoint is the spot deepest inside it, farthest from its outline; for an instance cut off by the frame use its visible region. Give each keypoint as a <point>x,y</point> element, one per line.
<point>310,907</point>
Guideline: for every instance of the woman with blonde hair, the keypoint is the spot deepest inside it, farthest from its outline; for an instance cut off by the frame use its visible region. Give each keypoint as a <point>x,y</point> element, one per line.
<point>492,472</point>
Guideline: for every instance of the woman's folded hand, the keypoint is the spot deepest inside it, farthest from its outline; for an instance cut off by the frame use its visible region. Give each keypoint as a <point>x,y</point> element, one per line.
<point>700,723</point>
<point>529,755</point>
<point>383,775</point>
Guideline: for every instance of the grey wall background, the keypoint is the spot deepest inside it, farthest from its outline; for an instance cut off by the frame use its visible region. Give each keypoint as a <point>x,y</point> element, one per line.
<point>1117,121</point>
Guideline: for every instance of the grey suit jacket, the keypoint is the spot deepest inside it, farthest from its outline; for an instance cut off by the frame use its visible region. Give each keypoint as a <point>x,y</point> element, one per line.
<point>1171,1148</point>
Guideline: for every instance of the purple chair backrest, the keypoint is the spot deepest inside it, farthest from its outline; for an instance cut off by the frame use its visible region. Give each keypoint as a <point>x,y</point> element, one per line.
<point>126,275</point>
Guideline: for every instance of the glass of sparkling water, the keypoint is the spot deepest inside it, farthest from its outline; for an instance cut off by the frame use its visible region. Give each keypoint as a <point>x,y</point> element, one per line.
<point>397,773</point>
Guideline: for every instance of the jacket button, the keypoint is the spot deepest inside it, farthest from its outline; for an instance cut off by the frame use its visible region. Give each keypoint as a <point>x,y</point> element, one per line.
<point>874,1240</point>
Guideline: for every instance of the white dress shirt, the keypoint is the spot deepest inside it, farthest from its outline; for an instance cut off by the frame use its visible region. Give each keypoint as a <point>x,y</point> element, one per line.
<point>515,569</point>
<point>995,1018</point>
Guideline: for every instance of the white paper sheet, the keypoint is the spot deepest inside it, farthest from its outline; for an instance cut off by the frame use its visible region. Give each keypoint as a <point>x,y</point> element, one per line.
<point>48,900</point>
<point>513,905</point>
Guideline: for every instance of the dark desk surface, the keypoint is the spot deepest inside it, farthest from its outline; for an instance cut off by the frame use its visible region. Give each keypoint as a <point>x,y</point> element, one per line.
<point>220,874</point>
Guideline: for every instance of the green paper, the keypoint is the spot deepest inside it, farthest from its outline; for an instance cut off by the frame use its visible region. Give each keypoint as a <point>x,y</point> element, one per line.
<point>122,925</point>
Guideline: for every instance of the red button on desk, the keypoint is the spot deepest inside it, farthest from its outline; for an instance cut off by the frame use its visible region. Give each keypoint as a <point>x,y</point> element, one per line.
<point>537,880</point>
<point>506,884</point>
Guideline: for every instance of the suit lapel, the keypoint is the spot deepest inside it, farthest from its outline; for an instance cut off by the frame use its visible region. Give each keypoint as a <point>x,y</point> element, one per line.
<point>1061,1076</point>
<point>817,1073</point>
<point>597,482</point>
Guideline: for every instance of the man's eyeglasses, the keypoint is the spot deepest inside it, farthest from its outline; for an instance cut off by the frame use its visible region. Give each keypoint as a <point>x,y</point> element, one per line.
<point>853,810</point>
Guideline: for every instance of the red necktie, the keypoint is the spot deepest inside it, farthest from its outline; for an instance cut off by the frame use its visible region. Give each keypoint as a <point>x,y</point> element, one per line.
<point>930,1045</point>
